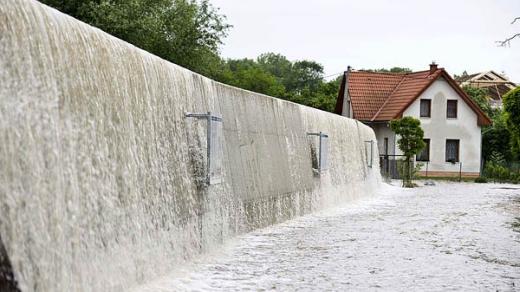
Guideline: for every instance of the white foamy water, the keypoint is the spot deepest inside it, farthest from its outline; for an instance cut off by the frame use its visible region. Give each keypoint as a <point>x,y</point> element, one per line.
<point>102,175</point>
<point>441,238</point>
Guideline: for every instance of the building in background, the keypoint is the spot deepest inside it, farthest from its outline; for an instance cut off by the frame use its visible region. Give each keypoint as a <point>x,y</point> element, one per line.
<point>497,85</point>
<point>450,119</point>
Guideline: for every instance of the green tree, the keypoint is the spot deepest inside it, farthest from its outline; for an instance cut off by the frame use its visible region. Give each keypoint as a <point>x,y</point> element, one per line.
<point>276,64</point>
<point>410,142</point>
<point>496,138</point>
<point>189,32</point>
<point>511,103</point>
<point>305,74</point>
<point>248,74</point>
<point>273,74</point>
<point>294,76</point>
<point>481,97</point>
<point>185,32</point>
<point>461,76</point>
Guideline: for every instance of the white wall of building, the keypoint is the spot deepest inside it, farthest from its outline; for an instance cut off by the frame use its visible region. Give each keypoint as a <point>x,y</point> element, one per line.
<point>382,131</point>
<point>438,128</point>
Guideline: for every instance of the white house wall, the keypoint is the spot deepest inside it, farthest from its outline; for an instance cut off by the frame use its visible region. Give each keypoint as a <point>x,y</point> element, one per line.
<point>438,128</point>
<point>382,131</point>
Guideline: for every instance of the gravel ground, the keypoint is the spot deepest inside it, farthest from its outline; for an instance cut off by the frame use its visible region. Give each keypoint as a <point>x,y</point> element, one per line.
<point>451,236</point>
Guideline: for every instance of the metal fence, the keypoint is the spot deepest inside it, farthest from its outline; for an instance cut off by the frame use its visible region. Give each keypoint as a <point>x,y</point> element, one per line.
<point>389,165</point>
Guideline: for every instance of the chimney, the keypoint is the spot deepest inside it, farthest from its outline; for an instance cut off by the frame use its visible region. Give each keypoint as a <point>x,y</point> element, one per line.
<point>433,67</point>
<point>346,107</point>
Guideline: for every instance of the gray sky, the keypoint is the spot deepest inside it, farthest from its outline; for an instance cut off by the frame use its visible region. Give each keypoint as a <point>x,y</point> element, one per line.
<point>458,34</point>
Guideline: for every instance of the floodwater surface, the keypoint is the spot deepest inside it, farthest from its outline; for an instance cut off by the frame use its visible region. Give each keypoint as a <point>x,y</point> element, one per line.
<point>451,236</point>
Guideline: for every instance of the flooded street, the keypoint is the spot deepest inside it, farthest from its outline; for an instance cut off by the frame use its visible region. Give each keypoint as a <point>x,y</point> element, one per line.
<point>449,236</point>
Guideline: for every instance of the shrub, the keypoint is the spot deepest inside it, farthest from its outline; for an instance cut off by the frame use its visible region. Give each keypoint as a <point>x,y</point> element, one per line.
<point>481,180</point>
<point>500,173</point>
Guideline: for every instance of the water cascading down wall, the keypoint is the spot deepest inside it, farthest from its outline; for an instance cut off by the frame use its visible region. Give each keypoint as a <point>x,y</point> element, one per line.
<point>102,176</point>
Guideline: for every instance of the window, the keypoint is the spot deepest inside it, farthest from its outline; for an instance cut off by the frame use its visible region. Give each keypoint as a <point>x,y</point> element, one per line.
<point>426,105</point>
<point>424,155</point>
<point>451,112</point>
<point>452,150</point>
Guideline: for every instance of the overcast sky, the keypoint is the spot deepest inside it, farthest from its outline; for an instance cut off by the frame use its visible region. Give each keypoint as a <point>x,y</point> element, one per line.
<point>458,34</point>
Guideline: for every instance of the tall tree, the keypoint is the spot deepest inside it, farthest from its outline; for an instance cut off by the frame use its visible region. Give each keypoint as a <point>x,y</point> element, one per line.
<point>185,32</point>
<point>273,74</point>
<point>496,138</point>
<point>248,74</point>
<point>276,64</point>
<point>512,110</point>
<point>305,74</point>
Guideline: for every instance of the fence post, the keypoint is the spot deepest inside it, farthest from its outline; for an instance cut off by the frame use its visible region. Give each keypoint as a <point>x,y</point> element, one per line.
<point>387,164</point>
<point>460,171</point>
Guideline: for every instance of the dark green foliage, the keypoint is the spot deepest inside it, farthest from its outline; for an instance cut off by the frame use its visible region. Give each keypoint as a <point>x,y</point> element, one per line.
<point>463,75</point>
<point>185,32</point>
<point>501,173</point>
<point>410,135</point>
<point>189,33</point>
<point>496,138</point>
<point>247,74</point>
<point>410,142</point>
<point>509,121</point>
<point>481,180</point>
<point>501,170</point>
<point>512,109</point>
<point>497,158</point>
<point>273,74</point>
<point>481,97</point>
<point>501,143</point>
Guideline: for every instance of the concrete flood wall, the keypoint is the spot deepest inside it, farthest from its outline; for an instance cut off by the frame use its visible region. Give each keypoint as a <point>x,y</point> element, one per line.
<point>100,169</point>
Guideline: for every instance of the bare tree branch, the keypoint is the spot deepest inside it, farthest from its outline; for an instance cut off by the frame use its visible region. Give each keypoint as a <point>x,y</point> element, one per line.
<point>507,41</point>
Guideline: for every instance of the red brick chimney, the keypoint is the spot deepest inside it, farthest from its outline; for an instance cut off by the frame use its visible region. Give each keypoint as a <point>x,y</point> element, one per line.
<point>433,67</point>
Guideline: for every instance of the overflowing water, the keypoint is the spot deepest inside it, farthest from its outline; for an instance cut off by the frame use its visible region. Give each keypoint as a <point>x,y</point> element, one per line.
<point>102,176</point>
<point>447,237</point>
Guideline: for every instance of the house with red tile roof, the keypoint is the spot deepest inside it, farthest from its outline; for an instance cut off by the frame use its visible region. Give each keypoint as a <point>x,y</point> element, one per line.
<point>450,119</point>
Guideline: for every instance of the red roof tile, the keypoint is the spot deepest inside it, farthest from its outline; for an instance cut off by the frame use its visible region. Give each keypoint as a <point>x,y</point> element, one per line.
<point>384,96</point>
<point>410,87</point>
<point>369,91</point>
